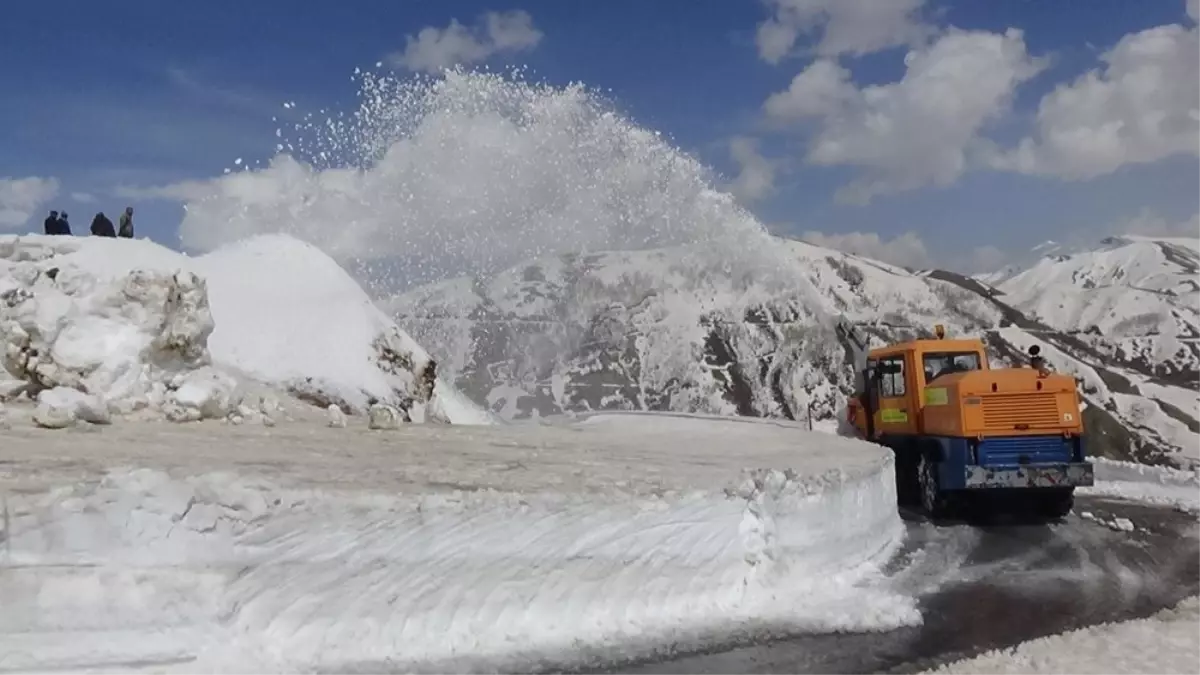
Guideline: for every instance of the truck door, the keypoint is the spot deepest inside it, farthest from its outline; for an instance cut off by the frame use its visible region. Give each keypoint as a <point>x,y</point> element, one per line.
<point>895,414</point>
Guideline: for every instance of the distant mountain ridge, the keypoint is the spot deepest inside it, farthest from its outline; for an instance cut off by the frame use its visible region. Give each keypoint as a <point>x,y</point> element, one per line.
<point>655,330</point>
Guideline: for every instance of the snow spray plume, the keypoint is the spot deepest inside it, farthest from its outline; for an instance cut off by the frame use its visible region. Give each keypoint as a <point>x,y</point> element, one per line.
<point>474,172</point>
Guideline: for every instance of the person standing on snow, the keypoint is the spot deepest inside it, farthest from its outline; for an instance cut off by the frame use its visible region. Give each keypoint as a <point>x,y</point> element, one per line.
<point>51,224</point>
<point>63,226</point>
<point>102,226</point>
<point>127,223</point>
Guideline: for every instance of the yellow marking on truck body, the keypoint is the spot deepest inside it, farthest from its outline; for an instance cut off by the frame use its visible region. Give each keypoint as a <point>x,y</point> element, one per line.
<point>893,416</point>
<point>936,396</point>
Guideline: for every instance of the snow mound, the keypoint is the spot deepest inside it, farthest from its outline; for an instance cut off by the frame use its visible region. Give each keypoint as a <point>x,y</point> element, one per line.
<point>142,327</point>
<point>1163,643</point>
<point>123,339</point>
<point>337,563</point>
<point>1158,485</point>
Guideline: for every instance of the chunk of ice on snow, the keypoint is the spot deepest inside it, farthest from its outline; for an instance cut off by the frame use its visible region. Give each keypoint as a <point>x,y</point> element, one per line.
<point>86,407</point>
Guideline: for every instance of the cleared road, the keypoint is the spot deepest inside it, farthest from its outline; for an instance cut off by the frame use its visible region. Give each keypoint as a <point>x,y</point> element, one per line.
<point>987,587</point>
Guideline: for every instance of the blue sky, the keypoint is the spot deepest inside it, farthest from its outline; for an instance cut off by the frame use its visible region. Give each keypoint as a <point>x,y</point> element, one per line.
<point>142,93</point>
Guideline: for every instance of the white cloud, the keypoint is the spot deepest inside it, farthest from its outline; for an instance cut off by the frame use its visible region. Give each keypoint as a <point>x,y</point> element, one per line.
<point>906,250</point>
<point>252,101</point>
<point>1193,9</point>
<point>909,250</point>
<point>182,191</point>
<point>83,197</point>
<point>756,174</point>
<point>21,198</point>
<point>435,49</point>
<point>1143,105</point>
<point>854,27</point>
<point>918,131</point>
<point>1149,223</point>
<point>987,259</point>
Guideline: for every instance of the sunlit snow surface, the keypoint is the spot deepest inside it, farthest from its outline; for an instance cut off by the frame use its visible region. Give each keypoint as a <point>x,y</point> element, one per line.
<point>239,548</point>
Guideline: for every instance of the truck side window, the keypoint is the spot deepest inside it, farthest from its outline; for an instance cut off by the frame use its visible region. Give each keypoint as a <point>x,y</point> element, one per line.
<point>891,383</point>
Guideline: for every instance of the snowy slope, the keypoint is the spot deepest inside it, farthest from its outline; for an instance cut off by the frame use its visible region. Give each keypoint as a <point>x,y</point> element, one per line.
<point>660,330</point>
<point>657,330</point>
<point>128,321</point>
<point>1045,249</point>
<point>1136,299</point>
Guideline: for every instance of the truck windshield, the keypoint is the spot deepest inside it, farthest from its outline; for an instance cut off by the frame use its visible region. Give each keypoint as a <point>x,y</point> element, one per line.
<point>942,363</point>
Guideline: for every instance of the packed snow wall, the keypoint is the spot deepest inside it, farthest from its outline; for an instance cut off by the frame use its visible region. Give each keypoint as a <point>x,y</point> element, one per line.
<point>1159,485</point>
<point>532,547</point>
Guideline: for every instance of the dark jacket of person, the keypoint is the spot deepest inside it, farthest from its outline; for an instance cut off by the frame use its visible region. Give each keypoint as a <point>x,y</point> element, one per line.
<point>63,226</point>
<point>51,223</point>
<point>102,226</point>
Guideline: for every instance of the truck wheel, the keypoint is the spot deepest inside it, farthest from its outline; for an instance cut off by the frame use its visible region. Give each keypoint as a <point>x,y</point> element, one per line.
<point>1056,503</point>
<point>933,500</point>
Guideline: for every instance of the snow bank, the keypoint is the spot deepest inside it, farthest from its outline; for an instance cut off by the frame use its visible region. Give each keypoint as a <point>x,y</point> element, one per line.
<point>131,322</point>
<point>1164,643</point>
<point>1158,485</point>
<point>124,340</point>
<point>508,548</point>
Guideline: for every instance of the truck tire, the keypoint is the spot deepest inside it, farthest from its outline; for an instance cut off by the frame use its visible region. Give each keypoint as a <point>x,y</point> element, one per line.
<point>1056,503</point>
<point>933,499</point>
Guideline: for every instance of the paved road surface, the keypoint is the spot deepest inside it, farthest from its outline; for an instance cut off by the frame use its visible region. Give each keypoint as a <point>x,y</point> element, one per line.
<point>987,587</point>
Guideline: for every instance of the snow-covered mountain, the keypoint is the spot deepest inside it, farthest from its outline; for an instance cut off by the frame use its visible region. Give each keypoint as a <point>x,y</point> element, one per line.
<point>658,330</point>
<point>1134,299</point>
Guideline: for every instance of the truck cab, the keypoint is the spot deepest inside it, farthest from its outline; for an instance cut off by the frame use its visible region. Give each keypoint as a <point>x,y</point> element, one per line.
<point>959,426</point>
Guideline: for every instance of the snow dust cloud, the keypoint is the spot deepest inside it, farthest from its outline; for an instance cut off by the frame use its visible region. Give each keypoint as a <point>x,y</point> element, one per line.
<point>471,173</point>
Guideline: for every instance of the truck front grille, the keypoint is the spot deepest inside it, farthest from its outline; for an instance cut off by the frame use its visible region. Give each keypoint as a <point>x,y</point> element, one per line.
<point>1027,410</point>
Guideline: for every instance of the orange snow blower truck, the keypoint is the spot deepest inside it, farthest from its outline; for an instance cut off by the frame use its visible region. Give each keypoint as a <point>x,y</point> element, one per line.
<point>959,427</point>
